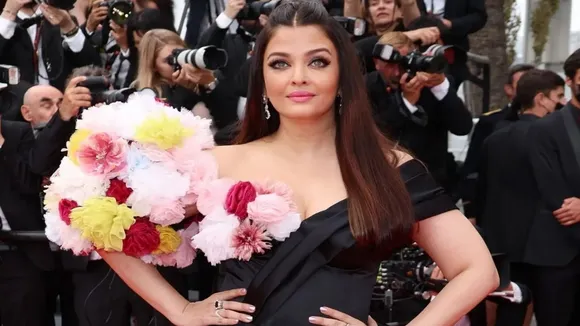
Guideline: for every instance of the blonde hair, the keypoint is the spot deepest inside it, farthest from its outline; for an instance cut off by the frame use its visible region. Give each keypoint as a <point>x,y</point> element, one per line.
<point>396,39</point>
<point>151,44</point>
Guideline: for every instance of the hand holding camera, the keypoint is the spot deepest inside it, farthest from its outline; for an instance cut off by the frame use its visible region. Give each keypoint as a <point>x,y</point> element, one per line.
<point>12,7</point>
<point>432,80</point>
<point>97,15</point>
<point>191,77</point>
<point>233,7</point>
<point>412,89</point>
<point>75,97</point>
<point>58,17</point>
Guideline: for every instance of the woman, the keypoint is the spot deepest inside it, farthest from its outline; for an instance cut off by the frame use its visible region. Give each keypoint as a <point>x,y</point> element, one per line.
<point>308,124</point>
<point>186,86</point>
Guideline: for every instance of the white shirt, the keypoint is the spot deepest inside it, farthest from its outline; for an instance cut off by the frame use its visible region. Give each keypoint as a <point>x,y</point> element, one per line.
<point>435,7</point>
<point>74,43</point>
<point>439,91</point>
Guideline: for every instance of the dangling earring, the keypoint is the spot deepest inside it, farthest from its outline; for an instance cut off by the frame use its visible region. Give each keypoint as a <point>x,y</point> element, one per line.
<point>266,110</point>
<point>339,102</point>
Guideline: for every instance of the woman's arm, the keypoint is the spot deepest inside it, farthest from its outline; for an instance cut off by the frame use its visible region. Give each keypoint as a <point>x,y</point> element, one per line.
<point>409,11</point>
<point>146,281</point>
<point>463,257</point>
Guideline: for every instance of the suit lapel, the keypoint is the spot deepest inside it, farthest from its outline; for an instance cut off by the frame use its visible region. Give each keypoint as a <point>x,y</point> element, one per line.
<point>572,132</point>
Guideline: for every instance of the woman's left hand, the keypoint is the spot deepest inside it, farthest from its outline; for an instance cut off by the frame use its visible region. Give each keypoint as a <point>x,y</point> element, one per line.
<point>338,318</point>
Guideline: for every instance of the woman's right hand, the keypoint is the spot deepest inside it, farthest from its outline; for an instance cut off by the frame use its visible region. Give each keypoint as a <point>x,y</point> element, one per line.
<point>97,15</point>
<point>208,311</point>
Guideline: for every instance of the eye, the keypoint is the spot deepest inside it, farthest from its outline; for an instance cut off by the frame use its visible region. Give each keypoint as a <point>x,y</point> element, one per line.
<point>319,63</point>
<point>278,64</point>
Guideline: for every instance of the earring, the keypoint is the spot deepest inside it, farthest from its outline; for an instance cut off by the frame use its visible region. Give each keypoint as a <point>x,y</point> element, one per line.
<point>339,102</point>
<point>266,110</point>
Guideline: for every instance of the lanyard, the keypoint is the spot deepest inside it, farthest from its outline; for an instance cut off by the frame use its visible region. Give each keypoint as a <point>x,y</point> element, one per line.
<point>35,58</point>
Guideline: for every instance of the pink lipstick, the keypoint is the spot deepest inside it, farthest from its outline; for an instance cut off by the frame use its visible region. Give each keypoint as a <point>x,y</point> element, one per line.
<point>300,96</point>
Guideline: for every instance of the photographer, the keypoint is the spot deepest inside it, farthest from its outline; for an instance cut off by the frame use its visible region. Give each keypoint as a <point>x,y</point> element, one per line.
<point>57,46</point>
<point>417,113</point>
<point>183,86</point>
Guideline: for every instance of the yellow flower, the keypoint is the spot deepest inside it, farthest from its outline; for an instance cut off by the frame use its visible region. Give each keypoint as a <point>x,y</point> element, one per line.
<point>163,131</point>
<point>103,222</point>
<point>170,240</point>
<point>75,142</point>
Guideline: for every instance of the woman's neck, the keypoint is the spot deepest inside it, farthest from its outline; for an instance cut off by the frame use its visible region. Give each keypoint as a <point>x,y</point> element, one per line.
<point>305,139</point>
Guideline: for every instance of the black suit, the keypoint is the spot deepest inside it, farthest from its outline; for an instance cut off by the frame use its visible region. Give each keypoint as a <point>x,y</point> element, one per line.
<point>59,62</point>
<point>466,16</point>
<point>429,142</point>
<point>24,271</point>
<point>554,249</point>
<point>509,198</point>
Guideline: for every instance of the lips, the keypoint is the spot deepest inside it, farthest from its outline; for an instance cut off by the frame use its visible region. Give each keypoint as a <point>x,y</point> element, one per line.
<point>300,96</point>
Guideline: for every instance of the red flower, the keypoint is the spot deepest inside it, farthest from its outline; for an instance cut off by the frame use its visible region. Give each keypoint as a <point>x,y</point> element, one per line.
<point>141,239</point>
<point>65,206</point>
<point>119,190</point>
<point>238,198</point>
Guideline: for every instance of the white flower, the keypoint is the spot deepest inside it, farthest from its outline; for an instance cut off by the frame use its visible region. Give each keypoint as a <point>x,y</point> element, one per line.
<point>215,236</point>
<point>71,183</point>
<point>282,229</point>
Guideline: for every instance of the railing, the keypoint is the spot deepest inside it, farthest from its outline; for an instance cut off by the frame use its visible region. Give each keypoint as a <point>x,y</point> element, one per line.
<point>482,64</point>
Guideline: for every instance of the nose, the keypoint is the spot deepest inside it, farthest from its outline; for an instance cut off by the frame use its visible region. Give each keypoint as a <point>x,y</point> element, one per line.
<point>299,75</point>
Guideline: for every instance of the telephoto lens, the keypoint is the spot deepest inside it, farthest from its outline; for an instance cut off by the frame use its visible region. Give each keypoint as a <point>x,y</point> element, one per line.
<point>207,57</point>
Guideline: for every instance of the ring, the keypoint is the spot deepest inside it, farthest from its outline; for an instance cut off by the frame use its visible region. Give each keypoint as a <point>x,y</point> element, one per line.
<point>219,305</point>
<point>217,313</point>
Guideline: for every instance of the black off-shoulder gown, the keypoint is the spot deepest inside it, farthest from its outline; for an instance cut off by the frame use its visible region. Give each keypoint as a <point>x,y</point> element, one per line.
<point>319,264</point>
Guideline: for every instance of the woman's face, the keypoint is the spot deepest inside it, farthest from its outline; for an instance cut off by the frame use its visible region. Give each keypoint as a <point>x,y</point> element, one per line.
<point>382,12</point>
<point>161,64</point>
<point>301,72</point>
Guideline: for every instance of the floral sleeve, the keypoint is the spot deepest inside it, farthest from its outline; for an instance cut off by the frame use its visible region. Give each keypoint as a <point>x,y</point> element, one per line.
<point>242,218</point>
<point>130,170</point>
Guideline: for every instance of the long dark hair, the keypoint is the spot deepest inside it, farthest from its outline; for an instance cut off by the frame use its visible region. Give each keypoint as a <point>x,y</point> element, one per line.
<point>379,205</point>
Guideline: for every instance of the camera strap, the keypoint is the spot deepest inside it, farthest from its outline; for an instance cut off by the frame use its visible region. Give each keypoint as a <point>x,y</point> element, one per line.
<point>35,58</point>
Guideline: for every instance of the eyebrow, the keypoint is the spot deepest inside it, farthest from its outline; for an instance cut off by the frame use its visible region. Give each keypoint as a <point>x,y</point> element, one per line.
<point>311,52</point>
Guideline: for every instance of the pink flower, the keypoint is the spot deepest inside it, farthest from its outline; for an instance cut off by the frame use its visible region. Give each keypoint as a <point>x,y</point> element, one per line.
<point>201,169</point>
<point>185,254</point>
<point>155,154</point>
<point>166,212</point>
<point>213,195</point>
<point>249,239</point>
<point>102,154</point>
<point>268,208</point>
<point>215,236</point>
<point>278,188</point>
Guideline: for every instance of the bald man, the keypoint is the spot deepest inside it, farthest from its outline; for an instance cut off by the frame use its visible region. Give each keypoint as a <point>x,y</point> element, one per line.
<point>39,105</point>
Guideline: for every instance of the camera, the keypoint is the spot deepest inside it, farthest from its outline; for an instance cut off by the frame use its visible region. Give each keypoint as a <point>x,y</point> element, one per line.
<point>354,26</point>
<point>433,62</point>
<point>254,9</point>
<point>9,74</point>
<point>60,4</point>
<point>207,57</point>
<point>100,92</point>
<point>119,11</point>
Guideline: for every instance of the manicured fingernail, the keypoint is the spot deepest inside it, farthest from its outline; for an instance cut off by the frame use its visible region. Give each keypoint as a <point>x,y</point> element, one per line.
<point>323,309</point>
<point>252,308</point>
<point>248,318</point>
<point>312,319</point>
<point>243,291</point>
